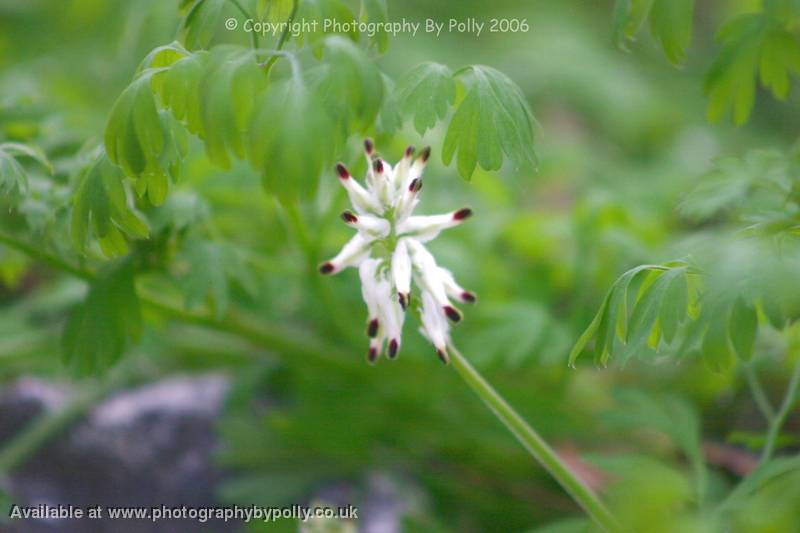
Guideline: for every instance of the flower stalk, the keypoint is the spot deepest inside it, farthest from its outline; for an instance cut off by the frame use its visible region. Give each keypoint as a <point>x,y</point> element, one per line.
<point>534,443</point>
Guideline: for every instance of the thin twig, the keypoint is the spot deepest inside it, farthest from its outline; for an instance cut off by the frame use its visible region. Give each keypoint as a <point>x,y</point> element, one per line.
<point>759,396</point>
<point>789,399</point>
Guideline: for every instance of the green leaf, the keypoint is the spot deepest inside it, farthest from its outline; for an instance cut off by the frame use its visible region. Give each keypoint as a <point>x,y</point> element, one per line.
<point>178,88</point>
<point>674,307</point>
<point>285,142</point>
<point>716,347</point>
<point>645,314</point>
<point>492,123</point>
<point>389,119</point>
<point>101,202</point>
<point>629,16</point>
<point>101,328</point>
<point>13,177</point>
<point>146,143</point>
<point>326,17</point>
<point>742,328</point>
<point>350,85</point>
<point>730,82</point>
<point>274,10</point>
<point>671,24</point>
<point>426,93</point>
<point>201,23</point>
<point>211,268</point>
<point>376,12</point>
<point>780,57</point>
<point>230,86</point>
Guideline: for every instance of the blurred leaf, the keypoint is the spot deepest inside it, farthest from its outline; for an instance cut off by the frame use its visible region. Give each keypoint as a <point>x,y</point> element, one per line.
<point>493,121</point>
<point>201,23</point>
<point>182,210</point>
<point>285,142</point>
<point>211,267</point>
<point>716,348</point>
<point>670,24</point>
<point>101,202</point>
<point>179,89</point>
<point>426,93</point>
<point>325,16</point>
<point>377,12</point>
<point>230,87</point>
<point>670,415</point>
<point>389,119</point>
<point>350,85</point>
<point>743,326</point>
<point>101,328</point>
<point>274,10</point>
<point>753,44</point>
<point>13,177</point>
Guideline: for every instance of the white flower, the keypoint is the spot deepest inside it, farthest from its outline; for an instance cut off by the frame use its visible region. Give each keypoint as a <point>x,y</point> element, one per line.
<point>389,252</point>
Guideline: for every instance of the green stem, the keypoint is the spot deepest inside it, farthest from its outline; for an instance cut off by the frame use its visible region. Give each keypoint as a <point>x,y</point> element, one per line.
<point>759,396</point>
<point>42,429</point>
<point>789,399</point>
<point>243,11</point>
<point>284,35</point>
<point>534,443</point>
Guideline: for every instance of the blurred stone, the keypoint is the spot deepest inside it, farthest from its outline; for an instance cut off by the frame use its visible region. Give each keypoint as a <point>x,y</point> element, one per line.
<point>145,447</point>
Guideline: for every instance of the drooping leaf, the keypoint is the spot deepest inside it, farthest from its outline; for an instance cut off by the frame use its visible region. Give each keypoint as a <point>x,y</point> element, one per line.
<point>229,88</point>
<point>377,12</point>
<point>716,347</point>
<point>212,266</point>
<point>101,203</point>
<point>743,325</point>
<point>286,141</point>
<point>426,93</point>
<point>201,23</point>
<point>730,82</point>
<point>350,86</point>
<point>492,123</point>
<point>148,144</point>
<point>389,119</point>
<point>179,89</point>
<point>670,24</point>
<point>102,327</point>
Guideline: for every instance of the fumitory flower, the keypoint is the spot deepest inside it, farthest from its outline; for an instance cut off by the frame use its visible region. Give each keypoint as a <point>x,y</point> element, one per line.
<point>389,251</point>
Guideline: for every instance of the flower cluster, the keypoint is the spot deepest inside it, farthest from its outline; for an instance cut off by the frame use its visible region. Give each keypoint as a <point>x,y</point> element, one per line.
<point>389,253</point>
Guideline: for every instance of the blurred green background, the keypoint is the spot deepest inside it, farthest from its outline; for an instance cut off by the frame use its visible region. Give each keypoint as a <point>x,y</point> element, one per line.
<point>622,139</point>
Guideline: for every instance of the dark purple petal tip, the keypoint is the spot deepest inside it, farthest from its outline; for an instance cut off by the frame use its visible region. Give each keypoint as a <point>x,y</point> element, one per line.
<point>372,328</point>
<point>349,217</point>
<point>326,268</point>
<point>452,313</point>
<point>342,171</point>
<point>393,347</point>
<point>462,214</point>
<point>469,297</point>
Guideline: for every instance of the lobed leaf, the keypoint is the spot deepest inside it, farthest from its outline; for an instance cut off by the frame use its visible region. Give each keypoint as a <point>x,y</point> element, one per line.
<point>101,203</point>
<point>289,141</point>
<point>101,328</point>
<point>13,177</point>
<point>426,93</point>
<point>201,23</point>
<point>492,123</point>
<point>211,268</point>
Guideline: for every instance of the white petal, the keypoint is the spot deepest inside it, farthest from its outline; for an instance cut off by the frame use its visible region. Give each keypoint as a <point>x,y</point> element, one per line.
<point>454,290</point>
<point>361,199</point>
<point>369,285</point>
<point>374,227</point>
<point>426,228</point>
<point>434,323</point>
<point>401,271</point>
<point>351,254</point>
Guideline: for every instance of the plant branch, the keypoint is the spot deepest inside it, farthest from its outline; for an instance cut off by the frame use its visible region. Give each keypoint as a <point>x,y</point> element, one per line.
<point>789,399</point>
<point>284,35</point>
<point>534,443</point>
<point>759,396</point>
<point>243,11</point>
